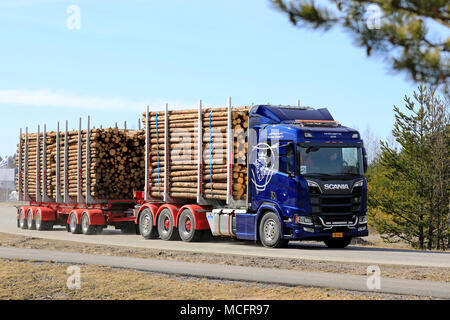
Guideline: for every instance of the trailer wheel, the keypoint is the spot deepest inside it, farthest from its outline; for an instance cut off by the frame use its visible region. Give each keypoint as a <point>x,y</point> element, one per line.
<point>166,228</point>
<point>22,223</point>
<point>270,231</point>
<point>30,222</point>
<point>42,225</point>
<point>75,228</point>
<point>338,242</point>
<point>86,226</point>
<point>186,227</point>
<point>146,227</point>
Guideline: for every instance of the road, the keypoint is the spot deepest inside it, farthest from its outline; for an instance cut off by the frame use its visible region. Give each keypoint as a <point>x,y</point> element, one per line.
<point>297,250</point>
<point>237,273</point>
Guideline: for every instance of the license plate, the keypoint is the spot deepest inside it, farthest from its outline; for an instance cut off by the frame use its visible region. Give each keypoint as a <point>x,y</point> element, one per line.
<point>337,235</point>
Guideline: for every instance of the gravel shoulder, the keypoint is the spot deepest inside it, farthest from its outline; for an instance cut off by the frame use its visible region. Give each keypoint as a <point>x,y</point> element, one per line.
<point>391,271</point>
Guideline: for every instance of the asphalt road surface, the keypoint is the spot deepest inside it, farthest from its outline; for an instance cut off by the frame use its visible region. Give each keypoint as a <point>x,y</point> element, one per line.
<point>237,273</point>
<point>296,250</point>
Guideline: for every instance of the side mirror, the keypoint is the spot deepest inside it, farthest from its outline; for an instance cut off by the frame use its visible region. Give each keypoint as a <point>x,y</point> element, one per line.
<point>364,160</point>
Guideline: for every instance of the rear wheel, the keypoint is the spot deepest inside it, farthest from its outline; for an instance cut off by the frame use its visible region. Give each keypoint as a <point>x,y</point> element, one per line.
<point>186,227</point>
<point>338,242</point>
<point>22,222</point>
<point>166,228</point>
<point>86,226</point>
<point>42,225</point>
<point>75,228</point>
<point>31,224</point>
<point>270,231</point>
<point>146,227</point>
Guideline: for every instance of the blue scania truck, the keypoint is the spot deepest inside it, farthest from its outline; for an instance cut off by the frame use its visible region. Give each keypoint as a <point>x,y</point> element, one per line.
<point>305,181</point>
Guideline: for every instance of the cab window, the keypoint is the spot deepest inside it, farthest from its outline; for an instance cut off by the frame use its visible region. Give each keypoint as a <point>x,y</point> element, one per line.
<point>286,157</point>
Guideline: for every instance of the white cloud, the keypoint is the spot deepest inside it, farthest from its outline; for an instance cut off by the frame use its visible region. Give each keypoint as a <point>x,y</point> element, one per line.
<point>47,98</point>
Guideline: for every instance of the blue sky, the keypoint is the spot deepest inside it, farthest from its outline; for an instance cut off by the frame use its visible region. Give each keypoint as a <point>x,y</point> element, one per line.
<point>127,54</point>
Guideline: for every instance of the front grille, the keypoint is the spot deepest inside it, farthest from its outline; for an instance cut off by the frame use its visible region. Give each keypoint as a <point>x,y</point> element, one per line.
<point>329,204</point>
<point>335,209</point>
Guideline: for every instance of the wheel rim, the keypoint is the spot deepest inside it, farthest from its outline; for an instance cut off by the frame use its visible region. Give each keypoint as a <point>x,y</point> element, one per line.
<point>270,230</point>
<point>22,219</point>
<point>185,225</point>
<point>166,223</point>
<point>188,225</point>
<point>73,222</point>
<point>85,223</point>
<point>30,219</point>
<point>146,223</point>
<point>38,220</point>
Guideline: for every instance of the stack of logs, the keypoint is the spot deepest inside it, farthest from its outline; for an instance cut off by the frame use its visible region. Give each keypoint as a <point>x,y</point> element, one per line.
<point>116,163</point>
<point>183,156</point>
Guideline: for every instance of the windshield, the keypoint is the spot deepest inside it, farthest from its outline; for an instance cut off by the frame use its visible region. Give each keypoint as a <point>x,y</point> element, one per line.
<point>320,160</point>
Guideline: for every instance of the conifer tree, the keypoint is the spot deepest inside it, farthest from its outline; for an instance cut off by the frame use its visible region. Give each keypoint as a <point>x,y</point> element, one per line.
<point>408,34</point>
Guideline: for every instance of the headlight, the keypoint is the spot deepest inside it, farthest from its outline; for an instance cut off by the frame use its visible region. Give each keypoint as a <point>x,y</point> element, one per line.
<point>358,183</point>
<point>363,220</point>
<point>312,184</point>
<point>304,220</point>
<point>308,135</point>
<point>355,136</point>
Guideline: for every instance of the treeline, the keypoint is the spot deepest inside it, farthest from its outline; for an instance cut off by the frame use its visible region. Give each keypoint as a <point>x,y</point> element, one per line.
<point>408,180</point>
<point>11,162</point>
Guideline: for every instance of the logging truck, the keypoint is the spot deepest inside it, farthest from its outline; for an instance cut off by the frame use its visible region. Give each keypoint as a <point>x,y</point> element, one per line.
<point>264,173</point>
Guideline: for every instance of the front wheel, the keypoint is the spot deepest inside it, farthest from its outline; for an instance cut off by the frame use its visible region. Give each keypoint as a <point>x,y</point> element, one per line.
<point>270,231</point>
<point>338,242</point>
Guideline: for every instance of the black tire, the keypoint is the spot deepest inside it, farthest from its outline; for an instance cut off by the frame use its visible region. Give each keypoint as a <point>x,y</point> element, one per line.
<point>75,228</point>
<point>43,225</point>
<point>166,229</point>
<point>30,222</point>
<point>186,227</point>
<point>338,242</point>
<point>270,231</point>
<point>40,225</point>
<point>86,227</point>
<point>146,228</point>
<point>22,222</point>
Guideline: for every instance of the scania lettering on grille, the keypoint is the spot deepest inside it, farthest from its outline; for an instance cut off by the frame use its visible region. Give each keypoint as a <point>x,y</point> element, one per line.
<point>332,186</point>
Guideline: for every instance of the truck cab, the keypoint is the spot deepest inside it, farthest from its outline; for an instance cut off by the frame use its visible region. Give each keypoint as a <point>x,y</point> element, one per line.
<point>306,170</point>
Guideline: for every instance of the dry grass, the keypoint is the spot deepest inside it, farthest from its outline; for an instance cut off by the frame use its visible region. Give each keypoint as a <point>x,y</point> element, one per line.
<point>26,280</point>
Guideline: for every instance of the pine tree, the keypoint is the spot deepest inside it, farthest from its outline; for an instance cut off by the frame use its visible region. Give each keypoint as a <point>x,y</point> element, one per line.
<point>397,30</point>
<point>410,191</point>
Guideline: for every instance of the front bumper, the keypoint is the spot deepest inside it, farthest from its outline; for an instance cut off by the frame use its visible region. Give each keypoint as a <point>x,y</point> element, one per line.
<point>306,232</point>
<point>301,234</point>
